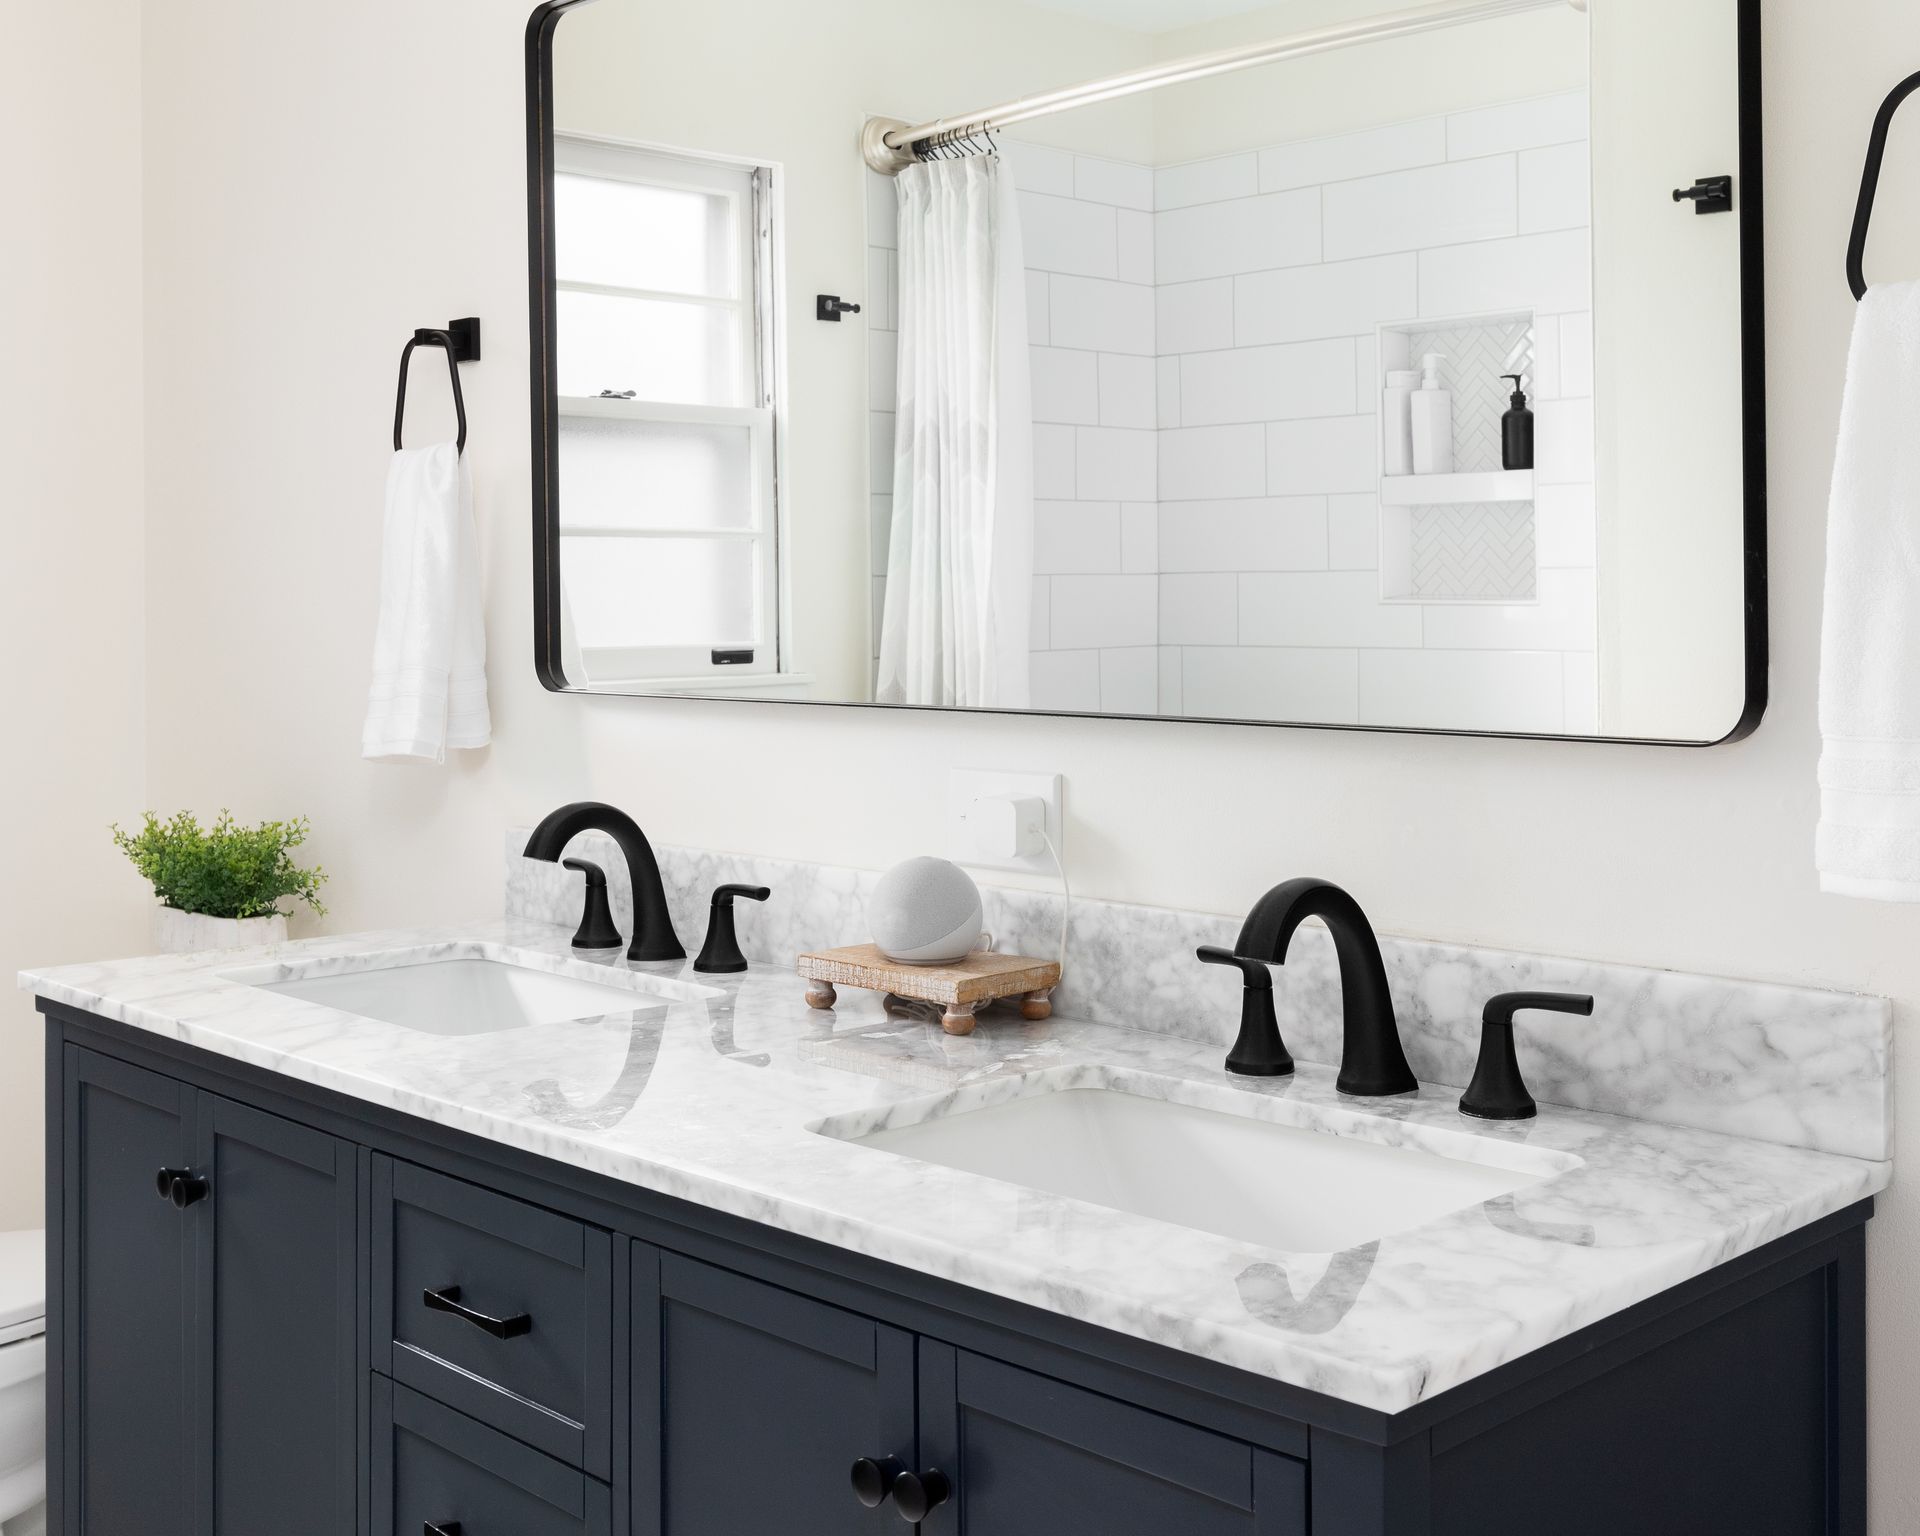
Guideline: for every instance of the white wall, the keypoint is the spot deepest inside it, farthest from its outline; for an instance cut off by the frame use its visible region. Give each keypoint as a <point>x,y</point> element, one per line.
<point>70,439</point>
<point>322,179</point>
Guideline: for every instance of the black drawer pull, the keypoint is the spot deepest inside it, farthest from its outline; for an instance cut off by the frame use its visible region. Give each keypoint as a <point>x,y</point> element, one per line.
<point>451,1528</point>
<point>447,1299</point>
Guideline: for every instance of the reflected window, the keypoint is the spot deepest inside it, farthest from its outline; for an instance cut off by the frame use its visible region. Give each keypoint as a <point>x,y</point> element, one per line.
<point>665,329</point>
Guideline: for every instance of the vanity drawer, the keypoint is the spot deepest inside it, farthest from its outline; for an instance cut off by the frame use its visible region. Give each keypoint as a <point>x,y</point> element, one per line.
<point>497,1308</point>
<point>437,1469</point>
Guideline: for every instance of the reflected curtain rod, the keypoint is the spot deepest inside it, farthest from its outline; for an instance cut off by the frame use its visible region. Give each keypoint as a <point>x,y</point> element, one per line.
<point>889,144</point>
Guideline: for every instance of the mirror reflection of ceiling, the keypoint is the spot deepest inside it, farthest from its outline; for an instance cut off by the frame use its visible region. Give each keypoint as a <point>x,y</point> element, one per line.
<point>1151,15</point>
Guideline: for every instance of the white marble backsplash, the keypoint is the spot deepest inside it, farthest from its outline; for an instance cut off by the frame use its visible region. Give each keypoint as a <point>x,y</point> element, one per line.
<point>1791,1065</point>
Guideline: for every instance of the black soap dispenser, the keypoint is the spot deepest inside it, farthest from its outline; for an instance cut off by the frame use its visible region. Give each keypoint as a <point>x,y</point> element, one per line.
<point>1516,428</point>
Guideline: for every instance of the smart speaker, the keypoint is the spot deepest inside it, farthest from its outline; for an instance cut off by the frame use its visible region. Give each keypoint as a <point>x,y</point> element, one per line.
<point>925,912</point>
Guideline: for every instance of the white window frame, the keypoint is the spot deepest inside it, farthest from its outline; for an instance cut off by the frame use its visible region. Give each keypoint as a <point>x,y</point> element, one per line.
<point>751,188</point>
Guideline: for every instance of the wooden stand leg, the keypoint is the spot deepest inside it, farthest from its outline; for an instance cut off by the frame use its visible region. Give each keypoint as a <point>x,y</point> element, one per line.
<point>958,1019</point>
<point>1036,1006</point>
<point>820,994</point>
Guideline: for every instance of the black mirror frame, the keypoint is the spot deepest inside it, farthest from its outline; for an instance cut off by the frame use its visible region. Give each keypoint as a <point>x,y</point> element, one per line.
<point>547,659</point>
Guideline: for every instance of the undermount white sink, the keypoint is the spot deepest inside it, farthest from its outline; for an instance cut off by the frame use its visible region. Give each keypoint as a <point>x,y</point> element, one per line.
<point>469,996</point>
<point>1279,1185</point>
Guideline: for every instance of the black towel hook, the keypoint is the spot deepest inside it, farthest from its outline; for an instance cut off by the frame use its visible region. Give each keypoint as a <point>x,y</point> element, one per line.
<point>1870,185</point>
<point>461,342</point>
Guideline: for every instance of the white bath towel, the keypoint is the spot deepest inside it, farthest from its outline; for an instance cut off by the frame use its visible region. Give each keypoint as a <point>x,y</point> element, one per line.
<point>1869,839</point>
<point>430,653</point>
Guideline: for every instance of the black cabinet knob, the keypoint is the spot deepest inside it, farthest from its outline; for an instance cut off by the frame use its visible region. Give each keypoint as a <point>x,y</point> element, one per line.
<point>180,1185</point>
<point>917,1495</point>
<point>874,1480</point>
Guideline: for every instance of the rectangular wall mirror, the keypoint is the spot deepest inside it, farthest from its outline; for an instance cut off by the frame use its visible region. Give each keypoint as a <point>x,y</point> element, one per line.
<point>1317,363</point>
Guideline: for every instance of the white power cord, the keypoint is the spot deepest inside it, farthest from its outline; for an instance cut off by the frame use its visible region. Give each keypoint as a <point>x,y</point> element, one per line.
<point>1066,895</point>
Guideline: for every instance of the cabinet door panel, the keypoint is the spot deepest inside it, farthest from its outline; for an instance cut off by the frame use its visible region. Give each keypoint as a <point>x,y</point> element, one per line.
<point>751,1405</point>
<point>1030,1456</point>
<point>276,1341</point>
<point>129,1439</point>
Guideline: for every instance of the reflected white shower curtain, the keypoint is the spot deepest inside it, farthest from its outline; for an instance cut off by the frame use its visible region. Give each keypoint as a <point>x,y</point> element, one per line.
<point>959,599</point>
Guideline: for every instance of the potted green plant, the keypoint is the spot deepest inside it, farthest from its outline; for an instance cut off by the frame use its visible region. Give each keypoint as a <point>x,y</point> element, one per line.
<point>220,886</point>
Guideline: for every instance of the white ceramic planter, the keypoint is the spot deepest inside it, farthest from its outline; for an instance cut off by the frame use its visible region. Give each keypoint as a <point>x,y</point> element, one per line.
<point>184,933</point>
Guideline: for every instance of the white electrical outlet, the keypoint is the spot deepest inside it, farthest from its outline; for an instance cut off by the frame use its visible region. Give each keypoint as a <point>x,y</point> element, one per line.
<point>983,835</point>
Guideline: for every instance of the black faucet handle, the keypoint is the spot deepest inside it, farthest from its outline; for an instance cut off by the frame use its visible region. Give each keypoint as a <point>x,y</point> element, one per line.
<point>1256,973</point>
<point>1259,1051</point>
<point>597,930</point>
<point>1498,1092</point>
<point>720,955</point>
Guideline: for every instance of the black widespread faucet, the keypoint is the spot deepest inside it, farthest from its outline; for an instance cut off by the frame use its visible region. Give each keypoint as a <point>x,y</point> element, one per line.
<point>1373,1064</point>
<point>653,934</point>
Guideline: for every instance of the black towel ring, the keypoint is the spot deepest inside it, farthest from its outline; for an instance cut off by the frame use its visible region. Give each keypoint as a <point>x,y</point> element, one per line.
<point>1870,185</point>
<point>461,342</point>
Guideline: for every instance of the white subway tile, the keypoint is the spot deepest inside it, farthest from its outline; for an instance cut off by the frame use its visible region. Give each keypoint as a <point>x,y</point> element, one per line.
<point>1463,690</point>
<point>1333,608</point>
<point>1195,317</point>
<point>1353,533</point>
<point>1076,538</point>
<point>1039,326</point>
<point>1517,125</point>
<point>1205,463</point>
<point>1140,538</point>
<point>1556,189</point>
<point>1366,369</point>
<point>883,211</point>
<point>1128,392</point>
<point>1562,620</point>
<point>883,368</point>
<point>1101,316</point>
<point>1042,627</point>
<point>1251,234</point>
<point>1168,369</point>
<point>1066,682</point>
<point>1583,693</point>
<point>1285,383</point>
<point>880,531</point>
<point>1549,273</point>
<point>1264,534</point>
<point>1170,690</point>
<point>1410,210</point>
<point>1039,167</point>
<point>1206,181</point>
<point>880,429</point>
<point>1563,442</point>
<point>1198,610</point>
<point>1100,611</point>
<point>1113,182</point>
<point>883,274</point>
<point>1342,298</point>
<point>1564,532</point>
<point>1117,465</point>
<point>1312,458</point>
<point>1576,356</point>
<point>1053,463</point>
<point>1066,386</point>
<point>1319,687</point>
<point>1136,246</point>
<point>1130,680</point>
<point>1397,147</point>
<point>1064,235</point>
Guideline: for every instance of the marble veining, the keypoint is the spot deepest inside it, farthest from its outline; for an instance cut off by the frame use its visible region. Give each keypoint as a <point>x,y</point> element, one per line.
<point>1792,1065</point>
<point>710,1094</point>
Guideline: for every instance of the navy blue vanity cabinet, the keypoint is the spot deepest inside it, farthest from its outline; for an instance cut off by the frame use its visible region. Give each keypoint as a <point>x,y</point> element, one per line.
<point>210,1303</point>
<point>751,1405</point>
<point>277,1311</point>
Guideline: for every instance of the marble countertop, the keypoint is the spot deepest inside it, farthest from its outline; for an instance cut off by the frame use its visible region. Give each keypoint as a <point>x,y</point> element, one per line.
<point>711,1094</point>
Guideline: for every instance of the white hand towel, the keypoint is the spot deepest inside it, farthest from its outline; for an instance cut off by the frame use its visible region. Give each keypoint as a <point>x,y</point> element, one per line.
<point>430,654</point>
<point>1869,839</point>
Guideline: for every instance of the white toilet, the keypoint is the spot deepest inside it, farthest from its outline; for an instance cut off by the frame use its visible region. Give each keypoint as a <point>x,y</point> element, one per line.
<point>23,1383</point>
